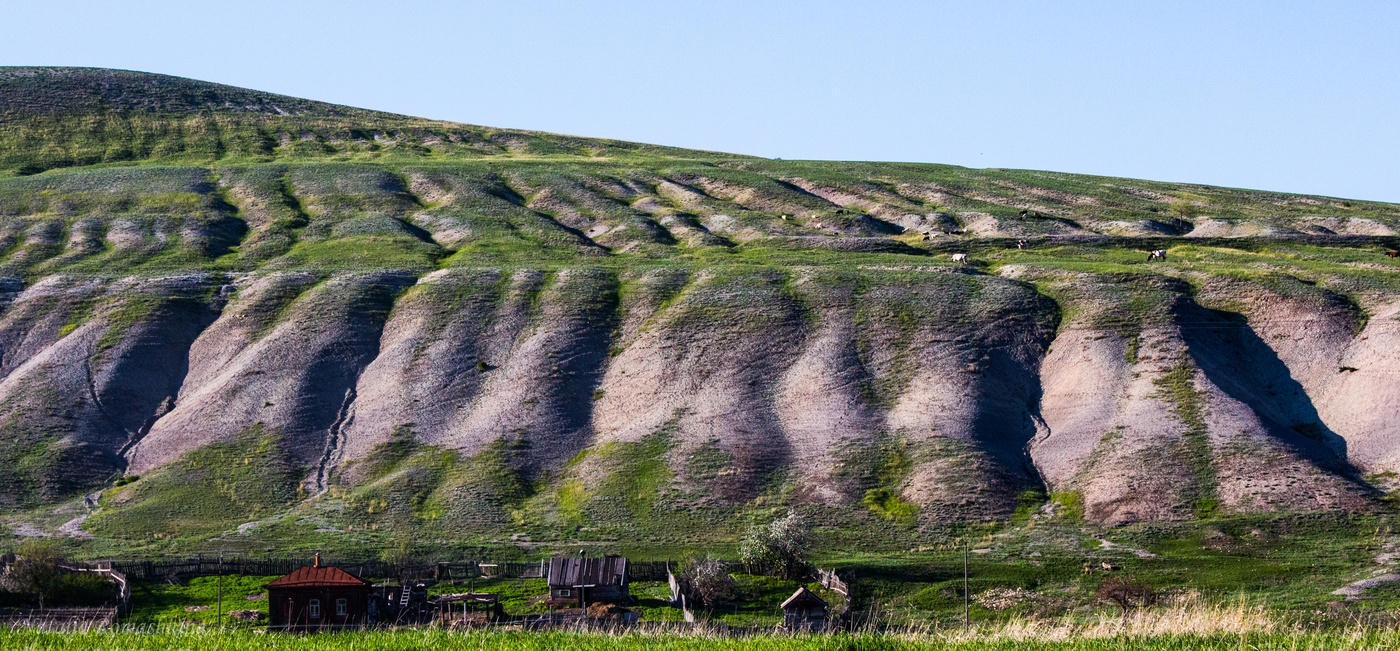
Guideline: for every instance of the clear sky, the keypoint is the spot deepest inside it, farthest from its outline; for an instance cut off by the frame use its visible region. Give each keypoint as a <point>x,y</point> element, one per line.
<point>1276,95</point>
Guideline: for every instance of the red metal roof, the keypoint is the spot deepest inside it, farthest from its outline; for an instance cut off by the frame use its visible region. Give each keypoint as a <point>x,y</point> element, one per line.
<point>313,576</point>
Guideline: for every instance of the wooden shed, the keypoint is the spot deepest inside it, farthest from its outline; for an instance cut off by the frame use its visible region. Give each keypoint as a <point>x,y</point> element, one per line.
<point>580,581</point>
<point>318,597</point>
<point>804,611</point>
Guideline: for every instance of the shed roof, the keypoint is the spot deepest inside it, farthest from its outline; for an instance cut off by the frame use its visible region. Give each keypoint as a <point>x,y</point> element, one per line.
<point>319,576</point>
<point>598,570</point>
<point>479,597</point>
<point>803,597</point>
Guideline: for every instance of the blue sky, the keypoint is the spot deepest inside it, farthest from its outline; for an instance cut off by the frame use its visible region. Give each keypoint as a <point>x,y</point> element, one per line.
<point>1287,96</point>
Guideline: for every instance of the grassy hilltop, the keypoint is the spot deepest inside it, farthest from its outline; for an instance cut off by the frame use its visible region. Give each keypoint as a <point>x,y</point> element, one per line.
<point>258,320</point>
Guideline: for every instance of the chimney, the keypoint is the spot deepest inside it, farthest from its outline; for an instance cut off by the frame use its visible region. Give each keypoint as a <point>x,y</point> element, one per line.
<point>317,561</point>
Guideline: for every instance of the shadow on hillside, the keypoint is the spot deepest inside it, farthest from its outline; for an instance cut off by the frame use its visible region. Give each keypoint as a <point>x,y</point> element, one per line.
<point>1234,358</point>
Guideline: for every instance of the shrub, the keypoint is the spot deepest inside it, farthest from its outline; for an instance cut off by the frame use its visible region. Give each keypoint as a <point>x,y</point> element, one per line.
<point>707,580</point>
<point>82,589</point>
<point>1127,592</point>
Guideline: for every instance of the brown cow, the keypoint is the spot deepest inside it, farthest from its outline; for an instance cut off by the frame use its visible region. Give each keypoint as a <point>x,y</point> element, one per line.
<point>1393,254</point>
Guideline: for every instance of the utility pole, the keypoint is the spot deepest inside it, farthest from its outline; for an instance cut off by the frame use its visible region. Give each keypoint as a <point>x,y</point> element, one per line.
<point>220,587</point>
<point>965,594</point>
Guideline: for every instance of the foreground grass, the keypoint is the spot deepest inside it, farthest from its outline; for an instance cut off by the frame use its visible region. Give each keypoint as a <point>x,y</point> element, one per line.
<point>484,641</point>
<point>1189,624</point>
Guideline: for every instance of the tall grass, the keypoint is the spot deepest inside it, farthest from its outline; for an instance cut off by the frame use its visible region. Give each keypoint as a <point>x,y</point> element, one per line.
<point>1187,624</point>
<point>1189,615</point>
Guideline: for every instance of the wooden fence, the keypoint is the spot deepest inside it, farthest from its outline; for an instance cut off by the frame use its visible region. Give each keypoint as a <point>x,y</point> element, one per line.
<point>679,598</point>
<point>59,619</point>
<point>115,576</point>
<point>829,580</point>
<point>373,569</point>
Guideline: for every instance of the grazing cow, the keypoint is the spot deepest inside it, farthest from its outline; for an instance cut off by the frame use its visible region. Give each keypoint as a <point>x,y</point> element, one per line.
<point>960,258</point>
<point>1393,254</point>
<point>1159,254</point>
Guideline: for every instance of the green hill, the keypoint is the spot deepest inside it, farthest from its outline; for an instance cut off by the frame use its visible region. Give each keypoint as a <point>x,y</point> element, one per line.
<point>300,321</point>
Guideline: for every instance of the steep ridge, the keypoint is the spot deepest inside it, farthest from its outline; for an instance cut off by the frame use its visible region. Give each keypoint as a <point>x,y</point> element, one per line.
<point>956,357</point>
<point>822,401</point>
<point>1358,404</point>
<point>1337,355</point>
<point>430,362</point>
<point>538,393</point>
<point>74,407</point>
<point>703,368</point>
<point>292,380</point>
<point>1198,389</point>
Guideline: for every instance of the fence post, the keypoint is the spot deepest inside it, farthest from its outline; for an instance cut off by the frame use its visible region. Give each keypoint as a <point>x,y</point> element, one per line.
<point>966,597</point>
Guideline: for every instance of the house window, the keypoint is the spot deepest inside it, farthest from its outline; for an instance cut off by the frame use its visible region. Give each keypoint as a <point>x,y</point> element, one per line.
<point>340,607</point>
<point>313,609</point>
<point>565,593</point>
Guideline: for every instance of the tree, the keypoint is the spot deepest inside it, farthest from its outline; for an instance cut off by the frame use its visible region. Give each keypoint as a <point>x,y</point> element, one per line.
<point>778,547</point>
<point>707,580</point>
<point>1184,209</point>
<point>36,570</point>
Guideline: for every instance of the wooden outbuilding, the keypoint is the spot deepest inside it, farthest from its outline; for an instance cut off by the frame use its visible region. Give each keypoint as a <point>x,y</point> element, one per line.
<point>579,581</point>
<point>468,608</point>
<point>318,597</point>
<point>804,611</point>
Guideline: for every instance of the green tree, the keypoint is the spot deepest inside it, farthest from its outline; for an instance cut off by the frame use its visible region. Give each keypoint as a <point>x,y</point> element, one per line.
<point>1185,208</point>
<point>36,571</point>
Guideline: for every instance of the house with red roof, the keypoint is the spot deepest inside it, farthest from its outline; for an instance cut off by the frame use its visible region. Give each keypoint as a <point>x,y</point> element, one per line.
<point>318,597</point>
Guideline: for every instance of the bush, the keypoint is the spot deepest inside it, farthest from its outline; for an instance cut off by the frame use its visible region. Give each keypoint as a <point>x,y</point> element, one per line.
<point>1127,592</point>
<point>83,589</point>
<point>707,581</point>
